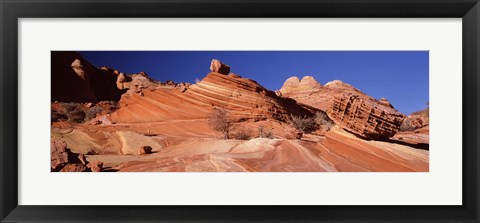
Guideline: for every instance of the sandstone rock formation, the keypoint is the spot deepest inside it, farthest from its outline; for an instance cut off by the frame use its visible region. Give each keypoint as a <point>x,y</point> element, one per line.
<point>309,92</point>
<point>294,84</point>
<point>365,116</point>
<point>219,67</point>
<point>63,160</point>
<point>76,80</point>
<point>241,97</point>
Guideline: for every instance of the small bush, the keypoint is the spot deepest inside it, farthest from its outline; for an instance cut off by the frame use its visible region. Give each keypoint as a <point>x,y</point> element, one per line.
<point>58,116</point>
<point>407,125</point>
<point>92,113</point>
<point>303,124</point>
<point>242,134</point>
<point>220,122</point>
<point>77,116</point>
<point>321,119</point>
<point>262,133</point>
<point>71,107</point>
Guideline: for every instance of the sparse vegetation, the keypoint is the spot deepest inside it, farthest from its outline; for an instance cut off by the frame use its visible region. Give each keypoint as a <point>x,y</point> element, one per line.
<point>262,133</point>
<point>322,120</point>
<point>242,133</point>
<point>71,107</point>
<point>303,124</point>
<point>416,119</point>
<point>219,121</point>
<point>77,116</point>
<point>58,116</point>
<point>406,126</point>
<point>92,113</point>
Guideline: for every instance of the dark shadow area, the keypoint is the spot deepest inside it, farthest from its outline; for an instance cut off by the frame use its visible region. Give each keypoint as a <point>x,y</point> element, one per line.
<point>108,169</point>
<point>423,146</point>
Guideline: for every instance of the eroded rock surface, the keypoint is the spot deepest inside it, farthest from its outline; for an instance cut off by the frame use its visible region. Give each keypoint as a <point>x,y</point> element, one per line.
<point>365,116</point>
<point>218,67</point>
<point>64,160</point>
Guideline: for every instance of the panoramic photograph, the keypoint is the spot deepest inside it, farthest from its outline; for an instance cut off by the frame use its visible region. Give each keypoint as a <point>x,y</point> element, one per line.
<point>239,111</point>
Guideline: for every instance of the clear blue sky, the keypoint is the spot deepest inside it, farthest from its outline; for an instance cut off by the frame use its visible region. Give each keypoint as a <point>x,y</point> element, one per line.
<point>399,76</point>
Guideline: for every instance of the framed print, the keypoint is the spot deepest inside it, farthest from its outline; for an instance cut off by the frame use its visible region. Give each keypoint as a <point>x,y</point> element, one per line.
<point>204,111</point>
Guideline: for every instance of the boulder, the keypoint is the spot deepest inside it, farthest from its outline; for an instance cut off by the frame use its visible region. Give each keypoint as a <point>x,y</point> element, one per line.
<point>64,160</point>
<point>144,150</point>
<point>219,67</point>
<point>293,133</point>
<point>58,154</point>
<point>365,116</point>
<point>121,80</point>
<point>295,85</point>
<point>385,102</point>
<point>95,166</point>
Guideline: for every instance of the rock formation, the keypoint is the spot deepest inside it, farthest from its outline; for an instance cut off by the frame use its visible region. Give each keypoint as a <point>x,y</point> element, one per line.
<point>64,160</point>
<point>294,84</point>
<point>365,116</point>
<point>76,80</point>
<point>241,97</point>
<point>144,150</point>
<point>218,67</point>
<point>309,92</point>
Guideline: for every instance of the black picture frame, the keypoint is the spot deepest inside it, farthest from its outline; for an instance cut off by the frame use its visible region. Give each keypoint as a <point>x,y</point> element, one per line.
<point>11,11</point>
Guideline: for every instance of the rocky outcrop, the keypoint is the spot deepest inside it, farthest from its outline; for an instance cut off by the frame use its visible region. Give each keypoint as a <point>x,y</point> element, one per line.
<point>385,102</point>
<point>294,84</point>
<point>218,67</point>
<point>76,80</point>
<point>309,92</point>
<point>241,97</point>
<point>365,116</point>
<point>64,160</point>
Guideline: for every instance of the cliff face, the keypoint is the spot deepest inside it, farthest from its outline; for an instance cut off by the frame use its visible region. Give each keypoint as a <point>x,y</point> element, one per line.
<point>365,116</point>
<point>347,106</point>
<point>76,80</point>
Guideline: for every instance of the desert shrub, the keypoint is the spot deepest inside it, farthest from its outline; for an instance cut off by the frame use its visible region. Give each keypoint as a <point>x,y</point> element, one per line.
<point>303,124</point>
<point>242,133</point>
<point>406,125</point>
<point>262,133</point>
<point>71,107</point>
<point>321,119</point>
<point>77,116</point>
<point>57,116</point>
<point>219,121</point>
<point>92,113</point>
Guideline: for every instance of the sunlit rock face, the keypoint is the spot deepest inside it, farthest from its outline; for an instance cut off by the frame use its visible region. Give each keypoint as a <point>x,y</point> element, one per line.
<point>241,97</point>
<point>365,116</point>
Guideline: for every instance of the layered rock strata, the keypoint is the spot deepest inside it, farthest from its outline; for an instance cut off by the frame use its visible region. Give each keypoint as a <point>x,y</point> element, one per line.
<point>365,116</point>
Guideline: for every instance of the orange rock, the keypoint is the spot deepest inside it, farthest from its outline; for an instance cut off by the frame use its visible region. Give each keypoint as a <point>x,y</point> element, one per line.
<point>144,150</point>
<point>365,116</point>
<point>219,67</point>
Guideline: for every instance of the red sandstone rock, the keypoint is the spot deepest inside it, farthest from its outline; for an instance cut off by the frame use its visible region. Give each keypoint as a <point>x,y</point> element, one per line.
<point>95,166</point>
<point>58,154</point>
<point>144,150</point>
<point>385,102</point>
<point>74,167</point>
<point>293,133</point>
<point>219,67</point>
<point>365,116</point>
<point>63,160</point>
